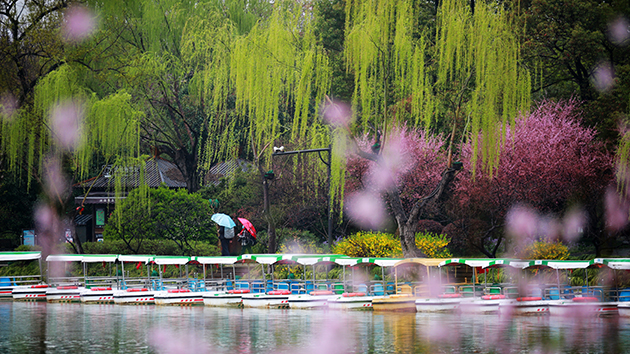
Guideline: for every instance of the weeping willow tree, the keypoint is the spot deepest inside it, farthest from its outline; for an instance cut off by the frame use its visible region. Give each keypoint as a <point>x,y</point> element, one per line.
<point>469,80</point>
<point>64,127</point>
<point>275,73</point>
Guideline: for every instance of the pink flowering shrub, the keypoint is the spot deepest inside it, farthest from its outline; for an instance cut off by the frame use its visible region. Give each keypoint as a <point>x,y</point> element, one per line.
<point>412,161</point>
<point>548,161</point>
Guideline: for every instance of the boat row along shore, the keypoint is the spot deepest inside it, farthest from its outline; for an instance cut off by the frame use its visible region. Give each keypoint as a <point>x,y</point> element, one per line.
<point>537,287</point>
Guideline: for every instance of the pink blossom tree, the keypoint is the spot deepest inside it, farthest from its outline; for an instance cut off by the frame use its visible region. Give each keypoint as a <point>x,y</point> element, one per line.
<point>408,169</point>
<point>548,161</point>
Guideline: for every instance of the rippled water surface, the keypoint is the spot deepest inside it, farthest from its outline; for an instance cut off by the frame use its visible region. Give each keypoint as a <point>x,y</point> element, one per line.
<point>78,328</point>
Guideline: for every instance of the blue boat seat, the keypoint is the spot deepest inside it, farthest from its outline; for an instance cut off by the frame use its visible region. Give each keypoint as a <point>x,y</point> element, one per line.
<point>362,288</point>
<point>377,289</point>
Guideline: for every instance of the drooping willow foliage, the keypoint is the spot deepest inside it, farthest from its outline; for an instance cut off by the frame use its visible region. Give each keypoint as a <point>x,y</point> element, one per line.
<point>275,66</point>
<point>475,60</point>
<point>108,125</point>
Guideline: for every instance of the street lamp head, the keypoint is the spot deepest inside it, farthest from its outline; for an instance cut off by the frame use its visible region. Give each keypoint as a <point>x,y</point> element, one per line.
<point>278,149</point>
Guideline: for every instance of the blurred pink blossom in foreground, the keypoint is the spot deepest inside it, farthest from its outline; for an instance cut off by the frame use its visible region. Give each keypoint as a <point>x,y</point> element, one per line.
<point>8,105</point>
<point>337,114</point>
<point>55,182</point>
<point>167,341</point>
<point>619,31</point>
<point>617,210</point>
<point>366,210</point>
<point>67,119</point>
<point>603,77</point>
<point>80,23</point>
<point>522,222</point>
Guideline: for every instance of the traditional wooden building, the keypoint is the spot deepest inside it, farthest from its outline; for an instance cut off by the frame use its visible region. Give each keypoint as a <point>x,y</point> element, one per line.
<point>98,198</point>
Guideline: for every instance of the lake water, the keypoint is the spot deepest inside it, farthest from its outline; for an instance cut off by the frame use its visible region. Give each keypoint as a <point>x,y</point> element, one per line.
<point>78,328</point>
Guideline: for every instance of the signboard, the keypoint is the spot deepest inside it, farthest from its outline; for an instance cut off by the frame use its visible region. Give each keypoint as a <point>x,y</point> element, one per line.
<point>100,217</point>
<point>29,237</point>
<point>99,237</point>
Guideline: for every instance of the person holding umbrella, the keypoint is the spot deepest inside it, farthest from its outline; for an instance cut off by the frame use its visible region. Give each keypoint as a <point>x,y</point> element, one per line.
<point>247,236</point>
<point>225,228</point>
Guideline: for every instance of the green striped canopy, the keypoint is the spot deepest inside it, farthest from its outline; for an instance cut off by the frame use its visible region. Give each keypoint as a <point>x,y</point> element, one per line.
<point>471,262</point>
<point>64,258</point>
<point>95,258</point>
<point>216,259</point>
<point>179,260</point>
<point>19,256</point>
<point>134,258</point>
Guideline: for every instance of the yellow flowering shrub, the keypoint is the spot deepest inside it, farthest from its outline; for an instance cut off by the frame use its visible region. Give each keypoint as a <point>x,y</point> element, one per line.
<point>433,245</point>
<point>379,244</point>
<point>546,250</point>
<point>369,244</point>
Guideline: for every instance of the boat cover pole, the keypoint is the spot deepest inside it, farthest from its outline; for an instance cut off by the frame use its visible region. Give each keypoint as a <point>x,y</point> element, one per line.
<point>40,271</point>
<point>558,279</point>
<point>161,277</point>
<point>204,272</point>
<point>122,265</point>
<point>84,273</point>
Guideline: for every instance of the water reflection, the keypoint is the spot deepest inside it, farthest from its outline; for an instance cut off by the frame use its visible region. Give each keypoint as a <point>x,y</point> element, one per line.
<point>74,328</point>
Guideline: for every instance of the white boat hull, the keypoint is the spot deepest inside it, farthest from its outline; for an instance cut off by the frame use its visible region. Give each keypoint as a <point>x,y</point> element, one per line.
<point>124,297</point>
<point>526,308</point>
<point>29,293</point>
<point>92,296</point>
<point>624,309</point>
<point>569,308</point>
<point>60,294</point>
<point>351,303</point>
<point>222,299</point>
<point>481,306</point>
<point>438,305</point>
<point>265,301</point>
<point>178,299</point>
<point>306,301</point>
<point>6,292</point>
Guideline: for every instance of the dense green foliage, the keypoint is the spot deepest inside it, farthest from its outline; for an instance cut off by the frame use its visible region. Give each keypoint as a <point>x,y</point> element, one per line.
<point>165,214</point>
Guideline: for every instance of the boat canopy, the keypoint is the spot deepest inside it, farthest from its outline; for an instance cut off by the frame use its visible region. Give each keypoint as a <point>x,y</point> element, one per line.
<point>507,262</point>
<point>619,264</point>
<point>312,260</point>
<point>471,262</point>
<point>427,262</point>
<point>95,258</point>
<point>216,259</point>
<point>134,258</point>
<point>64,258</point>
<point>179,260</point>
<point>19,256</point>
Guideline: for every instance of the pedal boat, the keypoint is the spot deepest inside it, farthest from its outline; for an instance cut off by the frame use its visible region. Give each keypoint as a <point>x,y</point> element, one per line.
<point>66,293</point>
<point>103,295</point>
<point>313,300</point>
<point>30,293</point>
<point>443,303</point>
<point>134,296</point>
<point>230,298</point>
<point>178,297</point>
<point>351,301</point>
<point>272,299</point>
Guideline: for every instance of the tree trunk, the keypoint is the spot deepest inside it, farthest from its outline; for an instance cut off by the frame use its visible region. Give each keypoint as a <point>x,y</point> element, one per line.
<point>271,227</point>
<point>187,164</point>
<point>408,223</point>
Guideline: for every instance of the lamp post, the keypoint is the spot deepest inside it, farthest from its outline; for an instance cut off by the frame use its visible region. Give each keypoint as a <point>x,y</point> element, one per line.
<point>280,152</point>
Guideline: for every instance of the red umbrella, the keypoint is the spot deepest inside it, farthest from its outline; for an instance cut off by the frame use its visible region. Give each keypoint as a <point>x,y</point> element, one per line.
<point>248,226</point>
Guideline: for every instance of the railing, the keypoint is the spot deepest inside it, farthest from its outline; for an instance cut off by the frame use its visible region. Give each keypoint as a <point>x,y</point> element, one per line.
<point>16,280</point>
<point>56,281</point>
